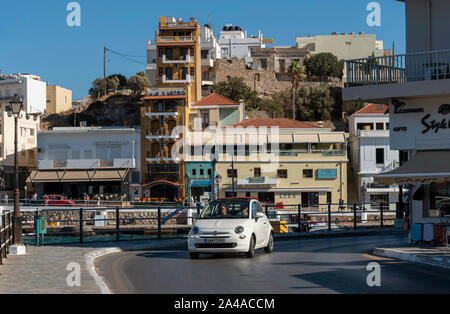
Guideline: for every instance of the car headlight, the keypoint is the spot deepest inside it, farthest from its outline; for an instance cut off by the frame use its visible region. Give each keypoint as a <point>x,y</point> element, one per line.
<point>239,229</point>
<point>195,230</point>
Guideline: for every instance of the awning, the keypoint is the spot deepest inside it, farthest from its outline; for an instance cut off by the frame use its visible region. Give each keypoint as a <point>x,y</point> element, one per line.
<point>334,137</point>
<point>280,138</point>
<point>162,182</point>
<point>47,176</point>
<point>425,167</point>
<point>201,183</point>
<point>306,138</point>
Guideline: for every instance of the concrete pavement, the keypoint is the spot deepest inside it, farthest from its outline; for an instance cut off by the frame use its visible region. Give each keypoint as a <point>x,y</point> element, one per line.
<point>434,256</point>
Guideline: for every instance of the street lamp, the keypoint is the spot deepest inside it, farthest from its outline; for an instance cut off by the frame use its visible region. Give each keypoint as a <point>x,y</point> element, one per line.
<point>15,107</point>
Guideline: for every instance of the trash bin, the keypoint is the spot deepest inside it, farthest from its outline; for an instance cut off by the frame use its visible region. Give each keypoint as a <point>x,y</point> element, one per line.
<point>416,233</point>
<point>440,234</point>
<point>40,228</point>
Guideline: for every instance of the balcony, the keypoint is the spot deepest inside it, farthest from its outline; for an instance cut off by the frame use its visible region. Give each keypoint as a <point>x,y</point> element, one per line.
<point>186,80</point>
<point>87,163</point>
<point>181,59</point>
<point>174,39</point>
<point>372,133</point>
<point>411,74</point>
<point>161,114</point>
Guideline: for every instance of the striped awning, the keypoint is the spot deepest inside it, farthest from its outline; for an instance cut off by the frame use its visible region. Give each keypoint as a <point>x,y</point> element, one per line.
<point>71,175</point>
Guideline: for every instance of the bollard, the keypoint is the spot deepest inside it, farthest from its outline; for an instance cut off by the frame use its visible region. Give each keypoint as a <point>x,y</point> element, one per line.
<point>354,216</point>
<point>381,215</point>
<point>299,213</point>
<point>81,225</point>
<point>117,224</point>
<point>159,222</point>
<point>329,217</point>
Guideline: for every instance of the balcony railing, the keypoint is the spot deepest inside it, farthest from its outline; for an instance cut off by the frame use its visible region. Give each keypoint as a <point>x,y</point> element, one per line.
<point>411,67</point>
<point>181,59</point>
<point>187,79</point>
<point>173,39</point>
<point>87,163</point>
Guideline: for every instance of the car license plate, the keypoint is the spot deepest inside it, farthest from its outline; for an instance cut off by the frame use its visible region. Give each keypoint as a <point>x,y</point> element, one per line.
<point>214,240</point>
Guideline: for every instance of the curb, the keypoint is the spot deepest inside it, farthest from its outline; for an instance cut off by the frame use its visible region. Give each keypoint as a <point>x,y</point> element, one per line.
<point>410,257</point>
<point>327,234</point>
<point>91,256</point>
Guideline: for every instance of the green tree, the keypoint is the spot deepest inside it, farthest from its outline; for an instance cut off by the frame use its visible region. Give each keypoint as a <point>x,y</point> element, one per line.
<point>138,83</point>
<point>316,103</point>
<point>297,74</point>
<point>351,107</point>
<point>235,89</point>
<point>324,65</point>
<point>122,80</point>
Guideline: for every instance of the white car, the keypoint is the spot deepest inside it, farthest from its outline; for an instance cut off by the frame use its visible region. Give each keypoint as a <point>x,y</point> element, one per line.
<point>231,225</point>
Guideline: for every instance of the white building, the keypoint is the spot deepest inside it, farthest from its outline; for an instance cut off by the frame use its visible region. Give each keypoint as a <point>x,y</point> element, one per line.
<point>95,160</point>
<point>234,43</point>
<point>416,85</point>
<point>29,87</point>
<point>27,126</point>
<point>150,68</point>
<point>210,51</point>
<point>371,154</point>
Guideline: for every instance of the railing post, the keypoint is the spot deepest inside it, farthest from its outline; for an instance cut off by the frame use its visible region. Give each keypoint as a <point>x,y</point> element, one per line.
<point>381,215</point>
<point>159,222</point>
<point>81,225</point>
<point>329,216</point>
<point>2,234</point>
<point>267,209</point>
<point>354,216</point>
<point>8,233</point>
<point>117,224</point>
<point>299,213</point>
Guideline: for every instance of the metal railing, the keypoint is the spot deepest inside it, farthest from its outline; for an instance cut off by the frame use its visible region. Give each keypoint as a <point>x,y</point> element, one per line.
<point>6,234</point>
<point>422,66</point>
<point>158,220</point>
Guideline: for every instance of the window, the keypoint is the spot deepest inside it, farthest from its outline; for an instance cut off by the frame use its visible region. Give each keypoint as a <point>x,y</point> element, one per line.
<point>264,64</point>
<point>230,194</point>
<point>248,194</point>
<point>194,172</point>
<point>183,73</point>
<point>437,195</point>
<point>168,73</point>
<point>31,132</point>
<point>380,155</point>
<point>205,118</point>
<point>348,43</point>
<point>75,154</point>
<point>380,126</point>
<point>282,173</point>
<point>209,172</point>
<point>403,154</point>
<point>257,172</point>
<point>160,52</point>
<point>88,154</point>
<point>192,71</point>
<point>231,173</point>
<point>116,151</point>
<point>204,54</point>
<point>307,173</point>
<point>364,126</point>
<point>202,172</point>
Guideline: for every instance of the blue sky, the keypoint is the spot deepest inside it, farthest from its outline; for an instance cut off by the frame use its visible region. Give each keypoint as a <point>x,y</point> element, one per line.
<point>34,36</point>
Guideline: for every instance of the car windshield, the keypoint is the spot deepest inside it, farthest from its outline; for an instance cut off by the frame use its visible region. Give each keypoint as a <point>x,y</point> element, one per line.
<point>226,210</point>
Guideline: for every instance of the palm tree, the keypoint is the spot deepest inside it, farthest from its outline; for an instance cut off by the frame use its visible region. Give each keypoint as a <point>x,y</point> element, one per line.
<point>297,74</point>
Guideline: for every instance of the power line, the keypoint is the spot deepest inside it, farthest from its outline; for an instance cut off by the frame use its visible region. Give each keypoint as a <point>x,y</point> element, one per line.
<point>128,57</point>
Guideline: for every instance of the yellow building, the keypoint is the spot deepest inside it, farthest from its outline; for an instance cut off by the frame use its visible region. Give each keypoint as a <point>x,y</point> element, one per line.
<point>59,99</point>
<point>168,106</point>
<point>308,166</point>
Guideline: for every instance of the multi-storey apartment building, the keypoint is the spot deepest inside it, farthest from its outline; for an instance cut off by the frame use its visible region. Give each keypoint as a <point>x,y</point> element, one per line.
<point>27,128</point>
<point>29,87</point>
<point>103,161</point>
<point>276,161</point>
<point>370,154</point>
<point>416,85</point>
<point>167,106</point>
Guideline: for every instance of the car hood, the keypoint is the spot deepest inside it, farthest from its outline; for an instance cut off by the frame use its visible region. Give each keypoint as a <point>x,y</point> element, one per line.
<point>220,224</point>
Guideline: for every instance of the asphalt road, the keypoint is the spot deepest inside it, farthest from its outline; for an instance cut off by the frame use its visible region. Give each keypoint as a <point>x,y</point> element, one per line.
<point>328,265</point>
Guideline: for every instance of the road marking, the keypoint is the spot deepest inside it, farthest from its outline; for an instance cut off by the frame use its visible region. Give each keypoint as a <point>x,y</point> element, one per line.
<point>376,258</point>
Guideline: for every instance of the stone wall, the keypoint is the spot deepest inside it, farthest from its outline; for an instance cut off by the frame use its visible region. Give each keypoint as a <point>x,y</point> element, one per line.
<point>269,82</point>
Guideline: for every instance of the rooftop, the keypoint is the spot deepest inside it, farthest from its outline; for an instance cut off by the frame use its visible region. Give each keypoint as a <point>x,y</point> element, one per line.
<point>215,99</point>
<point>373,109</point>
<point>282,123</point>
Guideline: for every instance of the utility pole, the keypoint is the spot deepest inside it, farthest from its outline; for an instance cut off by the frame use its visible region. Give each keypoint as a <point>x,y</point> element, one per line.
<point>232,172</point>
<point>104,69</point>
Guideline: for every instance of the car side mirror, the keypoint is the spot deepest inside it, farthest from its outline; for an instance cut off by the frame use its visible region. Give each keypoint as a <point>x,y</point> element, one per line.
<point>259,215</point>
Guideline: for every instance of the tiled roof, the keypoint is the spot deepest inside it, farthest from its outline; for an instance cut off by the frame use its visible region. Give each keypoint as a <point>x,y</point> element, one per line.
<point>282,123</point>
<point>215,100</point>
<point>373,109</point>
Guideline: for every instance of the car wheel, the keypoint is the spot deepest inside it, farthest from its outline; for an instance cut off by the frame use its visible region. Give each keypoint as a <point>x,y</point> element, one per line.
<point>269,247</point>
<point>194,255</point>
<point>251,250</point>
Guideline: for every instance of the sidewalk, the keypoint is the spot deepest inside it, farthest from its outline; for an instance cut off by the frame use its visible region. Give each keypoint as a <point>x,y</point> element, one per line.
<point>43,269</point>
<point>435,256</point>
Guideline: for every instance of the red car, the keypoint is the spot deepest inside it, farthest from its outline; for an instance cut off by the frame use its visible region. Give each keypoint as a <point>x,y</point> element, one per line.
<point>59,200</point>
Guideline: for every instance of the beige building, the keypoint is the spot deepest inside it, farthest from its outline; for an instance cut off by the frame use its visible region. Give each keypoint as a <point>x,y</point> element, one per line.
<point>277,161</point>
<point>277,59</point>
<point>59,99</point>
<point>344,46</point>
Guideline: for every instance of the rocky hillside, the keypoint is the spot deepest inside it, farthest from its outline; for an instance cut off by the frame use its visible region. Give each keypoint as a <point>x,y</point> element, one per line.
<point>115,110</point>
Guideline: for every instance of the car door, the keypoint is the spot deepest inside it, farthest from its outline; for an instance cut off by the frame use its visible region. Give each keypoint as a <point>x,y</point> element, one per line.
<point>259,226</point>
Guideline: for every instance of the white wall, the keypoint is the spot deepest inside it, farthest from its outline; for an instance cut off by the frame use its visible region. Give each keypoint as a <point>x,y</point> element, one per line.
<point>64,143</point>
<point>33,92</point>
